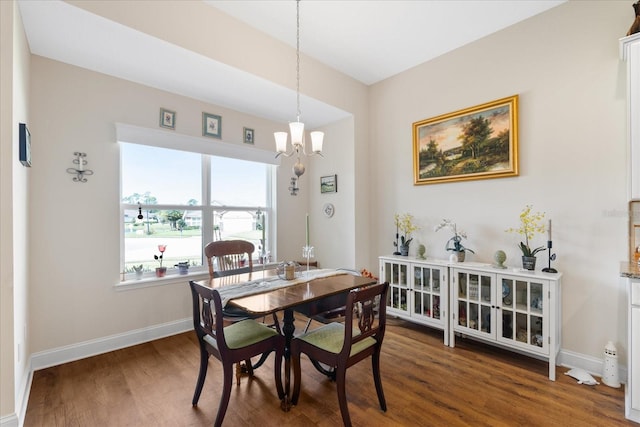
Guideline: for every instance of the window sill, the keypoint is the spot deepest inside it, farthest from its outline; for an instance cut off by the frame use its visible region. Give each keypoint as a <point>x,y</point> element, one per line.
<point>152,281</point>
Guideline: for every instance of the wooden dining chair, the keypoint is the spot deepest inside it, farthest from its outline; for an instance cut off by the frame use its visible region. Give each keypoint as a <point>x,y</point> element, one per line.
<point>341,345</point>
<point>237,342</point>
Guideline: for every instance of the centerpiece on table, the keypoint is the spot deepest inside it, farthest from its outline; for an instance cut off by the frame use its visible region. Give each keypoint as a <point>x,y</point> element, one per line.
<point>454,244</point>
<point>530,224</point>
<point>160,271</point>
<point>405,225</point>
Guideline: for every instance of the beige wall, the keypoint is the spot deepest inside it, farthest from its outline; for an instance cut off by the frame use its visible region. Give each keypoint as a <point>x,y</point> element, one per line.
<point>573,156</point>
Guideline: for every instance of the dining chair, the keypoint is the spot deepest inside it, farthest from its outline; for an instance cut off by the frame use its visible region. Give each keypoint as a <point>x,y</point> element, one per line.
<point>239,341</point>
<point>341,345</point>
<point>233,256</point>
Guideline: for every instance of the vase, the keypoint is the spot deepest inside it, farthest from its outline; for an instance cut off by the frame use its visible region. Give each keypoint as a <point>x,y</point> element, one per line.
<point>404,250</point>
<point>460,255</point>
<point>183,268</point>
<point>161,271</point>
<point>139,274</point>
<point>529,262</point>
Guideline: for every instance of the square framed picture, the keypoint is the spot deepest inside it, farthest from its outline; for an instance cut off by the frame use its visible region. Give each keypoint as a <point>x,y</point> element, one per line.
<point>248,135</point>
<point>329,184</point>
<point>211,125</point>
<point>167,118</point>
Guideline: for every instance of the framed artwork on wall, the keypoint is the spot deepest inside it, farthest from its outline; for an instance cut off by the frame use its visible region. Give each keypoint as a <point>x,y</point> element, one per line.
<point>475,143</point>
<point>24,149</point>
<point>211,125</point>
<point>329,184</point>
<point>167,118</point>
<point>248,135</point>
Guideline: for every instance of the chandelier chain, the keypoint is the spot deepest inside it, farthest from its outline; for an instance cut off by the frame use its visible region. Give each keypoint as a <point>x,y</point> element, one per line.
<point>298,58</point>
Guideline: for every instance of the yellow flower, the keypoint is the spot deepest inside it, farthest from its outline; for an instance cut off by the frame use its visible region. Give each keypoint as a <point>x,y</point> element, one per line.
<point>530,224</point>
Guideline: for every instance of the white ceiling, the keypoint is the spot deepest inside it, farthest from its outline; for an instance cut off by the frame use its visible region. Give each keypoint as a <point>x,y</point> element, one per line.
<point>367,40</point>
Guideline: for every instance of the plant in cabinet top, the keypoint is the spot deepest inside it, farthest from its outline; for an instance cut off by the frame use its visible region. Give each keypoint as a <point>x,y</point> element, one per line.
<point>530,224</point>
<point>404,223</point>
<point>455,243</point>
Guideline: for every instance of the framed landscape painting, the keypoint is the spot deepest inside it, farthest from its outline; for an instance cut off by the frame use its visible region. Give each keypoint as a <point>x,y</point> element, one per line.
<point>475,143</point>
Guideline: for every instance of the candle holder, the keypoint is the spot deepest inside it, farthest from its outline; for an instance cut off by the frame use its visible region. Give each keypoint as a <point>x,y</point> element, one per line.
<point>552,257</point>
<point>307,252</point>
<point>78,170</point>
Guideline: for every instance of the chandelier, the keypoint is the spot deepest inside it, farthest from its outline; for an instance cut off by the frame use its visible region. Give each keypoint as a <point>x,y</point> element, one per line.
<point>297,128</point>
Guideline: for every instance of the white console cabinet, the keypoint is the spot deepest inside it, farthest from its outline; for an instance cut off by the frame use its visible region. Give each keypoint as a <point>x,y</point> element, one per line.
<point>632,389</point>
<point>418,290</point>
<point>518,310</point>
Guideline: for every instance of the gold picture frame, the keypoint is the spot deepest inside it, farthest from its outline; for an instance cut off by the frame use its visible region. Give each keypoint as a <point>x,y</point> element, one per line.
<point>479,142</point>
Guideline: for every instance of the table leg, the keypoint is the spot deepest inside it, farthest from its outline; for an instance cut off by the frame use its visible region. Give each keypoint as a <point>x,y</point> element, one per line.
<point>288,329</point>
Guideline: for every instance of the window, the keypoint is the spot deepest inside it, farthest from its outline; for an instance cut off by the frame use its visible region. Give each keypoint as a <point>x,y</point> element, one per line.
<point>184,200</point>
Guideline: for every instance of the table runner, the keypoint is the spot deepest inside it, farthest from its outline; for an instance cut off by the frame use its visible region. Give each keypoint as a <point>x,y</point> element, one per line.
<point>254,287</point>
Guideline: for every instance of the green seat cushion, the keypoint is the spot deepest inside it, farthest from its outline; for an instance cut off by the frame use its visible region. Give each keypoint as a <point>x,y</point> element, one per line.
<point>331,338</point>
<point>244,333</point>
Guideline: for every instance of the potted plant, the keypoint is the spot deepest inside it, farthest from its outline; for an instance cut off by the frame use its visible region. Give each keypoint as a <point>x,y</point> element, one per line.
<point>454,244</point>
<point>530,224</point>
<point>404,223</point>
<point>183,267</point>
<point>139,270</point>
<point>160,271</point>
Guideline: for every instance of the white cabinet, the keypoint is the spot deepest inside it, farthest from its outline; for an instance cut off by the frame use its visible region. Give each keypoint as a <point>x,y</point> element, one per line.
<point>630,52</point>
<point>418,291</point>
<point>632,390</point>
<point>517,310</point>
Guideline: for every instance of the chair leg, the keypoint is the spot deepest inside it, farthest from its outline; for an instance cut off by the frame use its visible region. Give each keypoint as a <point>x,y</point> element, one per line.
<point>204,364</point>
<point>341,374</point>
<point>238,372</point>
<point>375,365</point>
<point>297,376</point>
<point>247,362</point>
<point>227,372</point>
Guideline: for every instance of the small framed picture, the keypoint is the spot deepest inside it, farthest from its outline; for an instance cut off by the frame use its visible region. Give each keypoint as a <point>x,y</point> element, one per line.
<point>248,135</point>
<point>329,184</point>
<point>211,125</point>
<point>167,118</point>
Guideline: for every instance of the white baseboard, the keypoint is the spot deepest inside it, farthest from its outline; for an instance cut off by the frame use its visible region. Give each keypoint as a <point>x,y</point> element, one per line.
<point>9,421</point>
<point>593,365</point>
<point>70,353</point>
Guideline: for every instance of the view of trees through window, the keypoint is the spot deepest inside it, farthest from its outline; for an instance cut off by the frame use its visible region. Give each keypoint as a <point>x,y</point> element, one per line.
<point>166,201</point>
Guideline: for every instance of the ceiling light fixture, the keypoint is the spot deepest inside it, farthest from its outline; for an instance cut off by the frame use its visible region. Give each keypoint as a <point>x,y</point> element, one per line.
<point>297,128</point>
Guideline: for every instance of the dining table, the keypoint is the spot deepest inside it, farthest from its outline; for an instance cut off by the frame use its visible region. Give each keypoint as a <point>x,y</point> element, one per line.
<point>264,292</point>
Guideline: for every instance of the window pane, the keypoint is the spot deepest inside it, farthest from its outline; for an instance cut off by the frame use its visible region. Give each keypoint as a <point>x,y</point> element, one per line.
<point>141,238</point>
<point>243,225</point>
<point>160,175</point>
<point>238,182</point>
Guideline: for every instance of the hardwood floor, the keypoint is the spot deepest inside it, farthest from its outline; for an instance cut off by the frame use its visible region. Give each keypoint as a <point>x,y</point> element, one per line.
<point>425,384</point>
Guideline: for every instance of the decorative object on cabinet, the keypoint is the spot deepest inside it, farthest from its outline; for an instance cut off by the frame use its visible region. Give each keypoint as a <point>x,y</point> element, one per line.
<point>248,135</point>
<point>446,148</point>
<point>454,244</point>
<point>421,251</point>
<point>24,148</point>
<point>405,225</point>
<point>79,171</point>
<point>530,224</point>
<point>499,257</point>
<point>552,257</point>
<point>211,125</point>
<point>167,118</point>
<point>635,27</point>
<point>329,184</point>
<point>160,271</point>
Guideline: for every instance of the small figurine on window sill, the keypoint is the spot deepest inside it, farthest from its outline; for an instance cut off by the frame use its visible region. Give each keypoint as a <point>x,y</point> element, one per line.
<point>635,27</point>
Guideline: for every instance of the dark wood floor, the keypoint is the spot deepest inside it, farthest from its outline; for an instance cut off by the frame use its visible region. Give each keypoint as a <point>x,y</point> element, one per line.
<point>425,383</point>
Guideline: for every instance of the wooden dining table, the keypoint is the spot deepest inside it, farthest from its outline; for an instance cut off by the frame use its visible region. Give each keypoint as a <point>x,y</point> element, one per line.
<point>305,294</point>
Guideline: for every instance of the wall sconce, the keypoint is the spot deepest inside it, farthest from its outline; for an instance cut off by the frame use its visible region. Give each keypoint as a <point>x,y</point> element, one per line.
<point>79,171</point>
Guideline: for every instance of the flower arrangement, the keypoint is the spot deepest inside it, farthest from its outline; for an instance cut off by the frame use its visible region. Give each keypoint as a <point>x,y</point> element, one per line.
<point>404,223</point>
<point>530,224</point>
<point>161,248</point>
<point>454,244</point>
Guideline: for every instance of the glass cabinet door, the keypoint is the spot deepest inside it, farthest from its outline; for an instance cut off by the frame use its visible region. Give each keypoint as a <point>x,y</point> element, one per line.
<point>474,298</point>
<point>522,304</point>
<point>427,297</point>
<point>396,274</point>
